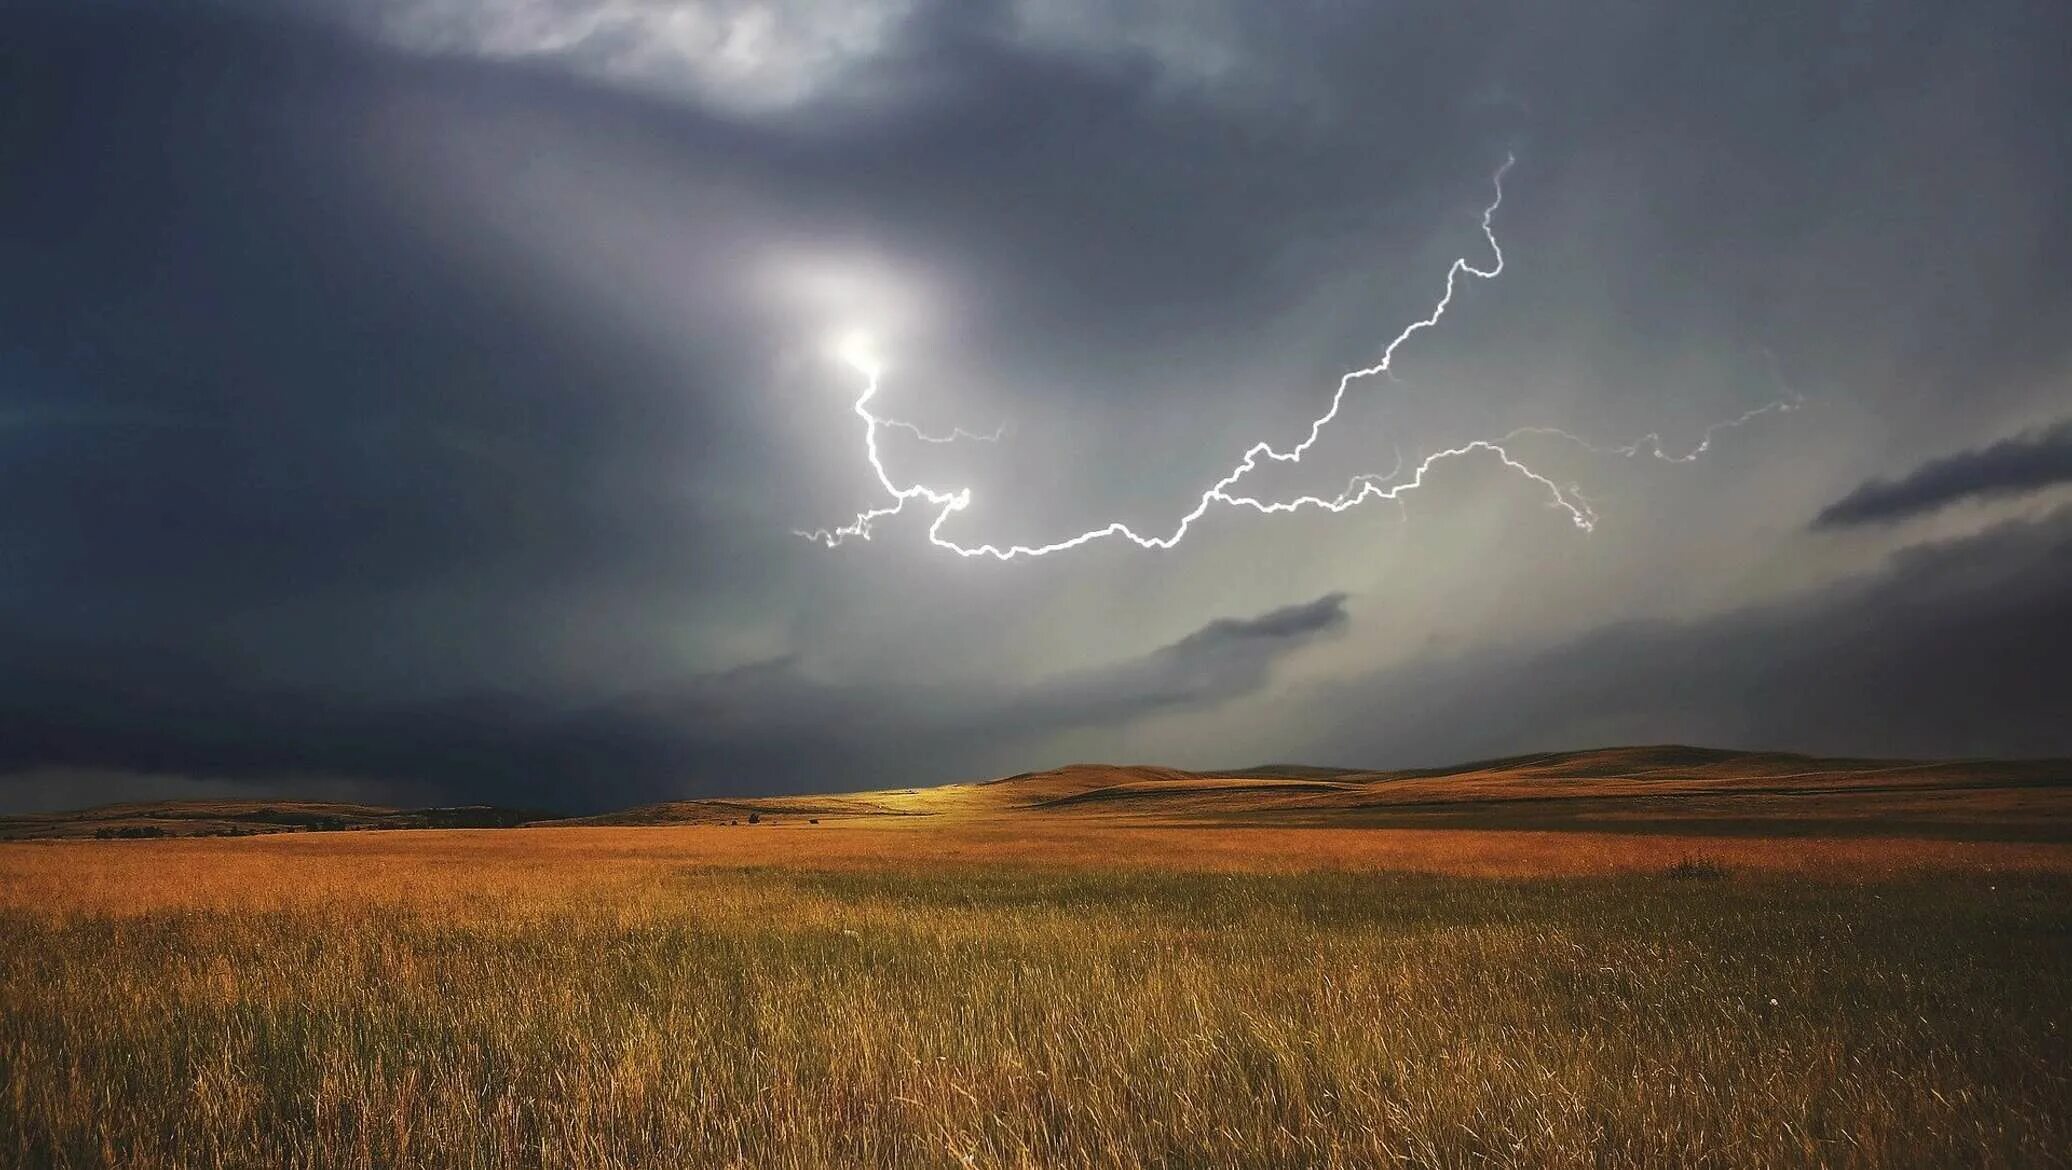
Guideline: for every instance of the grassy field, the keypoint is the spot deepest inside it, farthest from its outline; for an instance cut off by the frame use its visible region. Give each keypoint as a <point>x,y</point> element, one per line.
<point>1059,995</point>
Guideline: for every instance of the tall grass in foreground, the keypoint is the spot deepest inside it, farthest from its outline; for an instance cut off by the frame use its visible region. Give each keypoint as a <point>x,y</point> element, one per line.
<point>990,1017</point>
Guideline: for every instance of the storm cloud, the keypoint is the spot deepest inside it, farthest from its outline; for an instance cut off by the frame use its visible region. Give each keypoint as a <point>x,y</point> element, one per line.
<point>2029,461</point>
<point>1953,648</point>
<point>759,727</point>
<point>421,397</point>
<point>1225,659</point>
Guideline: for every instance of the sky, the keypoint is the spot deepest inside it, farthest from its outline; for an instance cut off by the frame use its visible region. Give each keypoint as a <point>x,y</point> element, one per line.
<point>419,401</point>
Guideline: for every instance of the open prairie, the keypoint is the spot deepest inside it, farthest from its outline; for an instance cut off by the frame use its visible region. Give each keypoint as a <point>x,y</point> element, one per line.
<point>878,584</point>
<point>1049,987</point>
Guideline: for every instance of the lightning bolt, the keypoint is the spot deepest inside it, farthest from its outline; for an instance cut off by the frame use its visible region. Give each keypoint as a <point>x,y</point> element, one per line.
<point>1651,444</point>
<point>955,434</point>
<point>1359,490</point>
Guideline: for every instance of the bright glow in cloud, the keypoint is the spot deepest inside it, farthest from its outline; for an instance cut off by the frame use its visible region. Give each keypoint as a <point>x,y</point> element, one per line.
<point>858,350</point>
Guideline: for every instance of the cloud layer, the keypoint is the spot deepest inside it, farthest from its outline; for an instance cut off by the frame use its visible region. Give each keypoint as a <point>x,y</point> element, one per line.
<point>426,392</point>
<point>2028,462</point>
<point>1957,648</point>
<point>760,727</point>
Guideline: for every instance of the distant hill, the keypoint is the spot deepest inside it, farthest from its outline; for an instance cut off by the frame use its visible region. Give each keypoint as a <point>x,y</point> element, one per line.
<point>1652,788</point>
<point>1646,788</point>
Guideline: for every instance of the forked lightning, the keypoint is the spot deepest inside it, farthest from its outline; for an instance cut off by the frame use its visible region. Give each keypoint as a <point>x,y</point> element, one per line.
<point>857,352</point>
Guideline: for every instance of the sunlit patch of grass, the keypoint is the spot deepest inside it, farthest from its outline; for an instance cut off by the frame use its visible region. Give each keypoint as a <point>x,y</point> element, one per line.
<point>390,1005</point>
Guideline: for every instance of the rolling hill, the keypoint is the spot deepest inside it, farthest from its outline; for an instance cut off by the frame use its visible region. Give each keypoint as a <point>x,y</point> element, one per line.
<point>1656,788</point>
<point>1632,788</point>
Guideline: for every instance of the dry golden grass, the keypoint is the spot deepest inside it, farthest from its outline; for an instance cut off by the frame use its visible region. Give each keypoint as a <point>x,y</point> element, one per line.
<point>290,869</point>
<point>1059,993</point>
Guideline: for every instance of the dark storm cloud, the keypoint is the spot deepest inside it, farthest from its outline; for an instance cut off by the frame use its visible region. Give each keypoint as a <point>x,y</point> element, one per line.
<point>754,728</point>
<point>382,451</point>
<point>1951,649</point>
<point>265,399</point>
<point>1224,659</point>
<point>390,388</point>
<point>2029,461</point>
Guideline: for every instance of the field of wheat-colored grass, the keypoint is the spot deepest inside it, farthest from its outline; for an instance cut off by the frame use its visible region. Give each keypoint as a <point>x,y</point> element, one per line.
<point>1061,996</point>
